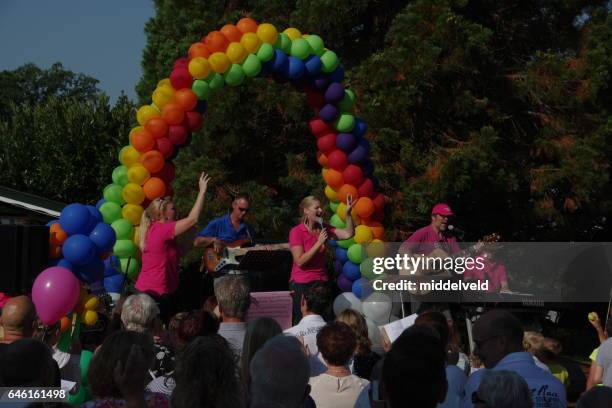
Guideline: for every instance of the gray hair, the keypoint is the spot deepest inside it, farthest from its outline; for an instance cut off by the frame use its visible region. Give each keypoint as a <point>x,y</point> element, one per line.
<point>504,389</point>
<point>279,373</point>
<point>233,295</point>
<point>139,312</point>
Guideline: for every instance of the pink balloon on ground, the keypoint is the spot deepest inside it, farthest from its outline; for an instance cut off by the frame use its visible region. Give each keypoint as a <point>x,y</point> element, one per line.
<point>55,292</point>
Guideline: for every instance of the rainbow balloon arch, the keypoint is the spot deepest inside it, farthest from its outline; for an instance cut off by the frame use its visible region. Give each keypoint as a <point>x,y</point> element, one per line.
<point>90,244</point>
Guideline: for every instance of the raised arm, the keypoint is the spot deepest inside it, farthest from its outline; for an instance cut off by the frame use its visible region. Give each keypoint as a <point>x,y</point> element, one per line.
<point>183,225</point>
<point>349,230</point>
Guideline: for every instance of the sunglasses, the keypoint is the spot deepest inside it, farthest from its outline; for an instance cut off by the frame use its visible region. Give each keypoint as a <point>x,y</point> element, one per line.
<point>245,210</point>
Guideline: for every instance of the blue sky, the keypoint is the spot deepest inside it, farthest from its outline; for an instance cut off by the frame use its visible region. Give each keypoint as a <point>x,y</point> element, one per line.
<point>100,38</point>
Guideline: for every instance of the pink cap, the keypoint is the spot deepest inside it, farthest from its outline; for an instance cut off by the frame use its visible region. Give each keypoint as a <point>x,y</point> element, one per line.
<point>442,209</point>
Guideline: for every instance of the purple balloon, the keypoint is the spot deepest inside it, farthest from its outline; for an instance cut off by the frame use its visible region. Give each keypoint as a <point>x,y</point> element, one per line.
<point>358,154</point>
<point>346,141</point>
<point>338,266</point>
<point>329,113</point>
<point>334,92</point>
<point>344,283</point>
<point>321,81</point>
<point>55,292</point>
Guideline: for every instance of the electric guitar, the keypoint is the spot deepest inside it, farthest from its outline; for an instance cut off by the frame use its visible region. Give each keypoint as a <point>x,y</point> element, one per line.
<point>213,262</point>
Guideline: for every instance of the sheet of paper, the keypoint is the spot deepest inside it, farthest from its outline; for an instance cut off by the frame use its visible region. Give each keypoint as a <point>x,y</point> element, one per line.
<point>67,385</point>
<point>394,329</point>
<point>277,305</point>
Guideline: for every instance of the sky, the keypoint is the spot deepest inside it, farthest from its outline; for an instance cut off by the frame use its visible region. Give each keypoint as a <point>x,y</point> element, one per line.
<point>100,38</point>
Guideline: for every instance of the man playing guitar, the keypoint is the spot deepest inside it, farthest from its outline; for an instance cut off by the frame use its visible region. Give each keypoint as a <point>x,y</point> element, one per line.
<point>435,235</point>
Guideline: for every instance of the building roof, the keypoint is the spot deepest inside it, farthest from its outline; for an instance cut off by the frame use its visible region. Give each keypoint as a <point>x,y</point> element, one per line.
<point>30,202</point>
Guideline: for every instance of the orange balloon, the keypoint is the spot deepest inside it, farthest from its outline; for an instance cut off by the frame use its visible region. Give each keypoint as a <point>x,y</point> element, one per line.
<point>333,178</point>
<point>152,161</point>
<point>231,32</point>
<point>55,251</point>
<point>186,99</point>
<point>173,114</point>
<point>247,25</point>
<point>322,159</point>
<point>65,324</point>
<point>157,127</point>
<point>154,187</point>
<point>215,41</point>
<point>143,141</point>
<point>364,207</point>
<point>378,231</point>
<point>198,50</point>
<point>345,191</point>
<point>57,235</point>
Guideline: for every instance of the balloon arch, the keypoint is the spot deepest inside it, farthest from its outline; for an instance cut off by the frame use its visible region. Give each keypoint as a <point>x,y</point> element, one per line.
<point>85,235</point>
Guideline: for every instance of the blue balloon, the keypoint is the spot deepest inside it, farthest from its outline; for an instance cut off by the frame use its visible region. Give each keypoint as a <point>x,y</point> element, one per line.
<point>362,288</point>
<point>91,272</point>
<point>337,75</point>
<point>294,68</point>
<point>75,219</point>
<point>280,61</point>
<point>95,216</point>
<point>112,266</point>
<point>360,127</point>
<point>115,283</point>
<point>341,254</point>
<point>103,236</point>
<point>66,264</point>
<point>312,65</point>
<point>50,223</point>
<point>351,270</point>
<point>332,243</point>
<point>100,202</point>
<point>79,249</point>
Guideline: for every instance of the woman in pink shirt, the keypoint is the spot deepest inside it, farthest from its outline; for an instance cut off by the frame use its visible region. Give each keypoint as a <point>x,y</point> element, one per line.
<point>307,243</point>
<point>160,254</point>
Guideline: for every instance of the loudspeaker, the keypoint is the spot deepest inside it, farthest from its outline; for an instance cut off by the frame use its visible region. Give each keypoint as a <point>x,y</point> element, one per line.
<point>24,253</point>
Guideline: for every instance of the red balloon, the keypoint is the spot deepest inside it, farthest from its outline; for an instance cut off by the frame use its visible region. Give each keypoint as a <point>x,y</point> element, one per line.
<point>352,174</point>
<point>177,134</point>
<point>337,160</point>
<point>366,189</point>
<point>180,78</point>
<point>319,128</point>
<point>327,143</point>
<point>167,173</point>
<point>193,121</point>
<point>165,146</point>
<point>181,63</point>
<point>379,202</point>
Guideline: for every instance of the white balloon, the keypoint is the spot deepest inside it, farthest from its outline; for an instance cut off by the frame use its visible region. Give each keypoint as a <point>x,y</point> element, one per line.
<point>373,333</point>
<point>346,300</point>
<point>377,307</point>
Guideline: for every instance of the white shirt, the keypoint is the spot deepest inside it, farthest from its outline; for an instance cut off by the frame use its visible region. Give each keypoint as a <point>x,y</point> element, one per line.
<point>329,391</point>
<point>307,329</point>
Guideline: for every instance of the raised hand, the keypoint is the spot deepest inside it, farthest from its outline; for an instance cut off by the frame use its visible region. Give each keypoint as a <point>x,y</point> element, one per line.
<point>203,182</point>
<point>349,204</point>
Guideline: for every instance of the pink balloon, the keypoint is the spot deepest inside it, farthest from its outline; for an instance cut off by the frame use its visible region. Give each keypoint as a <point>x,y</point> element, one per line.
<point>55,292</point>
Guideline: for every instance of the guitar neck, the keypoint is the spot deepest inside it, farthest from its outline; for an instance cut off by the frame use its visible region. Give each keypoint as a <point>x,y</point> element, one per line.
<point>242,251</point>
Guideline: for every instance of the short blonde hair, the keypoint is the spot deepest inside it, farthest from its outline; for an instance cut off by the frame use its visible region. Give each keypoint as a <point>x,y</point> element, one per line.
<point>533,341</point>
<point>357,323</point>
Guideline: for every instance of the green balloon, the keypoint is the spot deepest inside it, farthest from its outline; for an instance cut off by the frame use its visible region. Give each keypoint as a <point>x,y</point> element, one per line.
<point>355,253</point>
<point>300,49</point>
<point>251,65</point>
<point>132,269</point>
<point>367,269</point>
<point>215,81</point>
<point>345,123</point>
<point>334,206</point>
<point>346,243</point>
<point>110,211</point>
<point>329,61</point>
<point>316,44</point>
<point>120,176</point>
<point>123,229</point>
<point>283,43</point>
<point>265,53</point>
<point>347,102</point>
<point>201,89</point>
<point>337,222</point>
<point>234,76</point>
<point>113,193</point>
<point>124,248</point>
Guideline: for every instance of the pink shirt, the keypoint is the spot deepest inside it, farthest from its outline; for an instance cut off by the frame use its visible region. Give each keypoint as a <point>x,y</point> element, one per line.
<point>314,270</point>
<point>159,272</point>
<point>426,239</point>
<point>493,272</point>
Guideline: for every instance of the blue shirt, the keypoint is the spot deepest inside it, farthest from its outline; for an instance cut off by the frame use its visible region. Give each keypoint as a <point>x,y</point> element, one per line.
<point>456,379</point>
<point>223,229</point>
<point>546,390</point>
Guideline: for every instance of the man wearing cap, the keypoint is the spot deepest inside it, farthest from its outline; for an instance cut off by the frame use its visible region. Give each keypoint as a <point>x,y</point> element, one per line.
<point>435,235</point>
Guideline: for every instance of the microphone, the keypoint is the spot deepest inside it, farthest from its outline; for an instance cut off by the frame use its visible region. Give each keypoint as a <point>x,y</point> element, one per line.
<point>456,231</point>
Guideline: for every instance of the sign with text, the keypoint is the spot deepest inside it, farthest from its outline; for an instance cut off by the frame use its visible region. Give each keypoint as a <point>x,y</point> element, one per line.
<point>277,305</point>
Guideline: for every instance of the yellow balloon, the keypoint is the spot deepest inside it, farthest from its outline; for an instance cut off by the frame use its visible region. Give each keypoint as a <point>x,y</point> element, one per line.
<point>134,130</point>
<point>341,211</point>
<point>162,96</point>
<point>250,42</point>
<point>145,113</point>
<point>219,62</point>
<point>375,249</point>
<point>330,194</point>
<point>128,156</point>
<point>165,83</point>
<point>267,33</point>
<point>236,52</point>
<point>199,67</point>
<point>363,234</point>
<point>138,174</point>
<point>89,317</point>
<point>91,303</point>
<point>133,193</point>
<point>132,213</point>
<point>293,33</point>
<point>136,238</point>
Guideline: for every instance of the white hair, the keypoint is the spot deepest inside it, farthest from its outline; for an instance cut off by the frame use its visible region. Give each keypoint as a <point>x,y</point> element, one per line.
<point>139,312</point>
<point>233,295</point>
<point>504,389</point>
<point>279,373</point>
